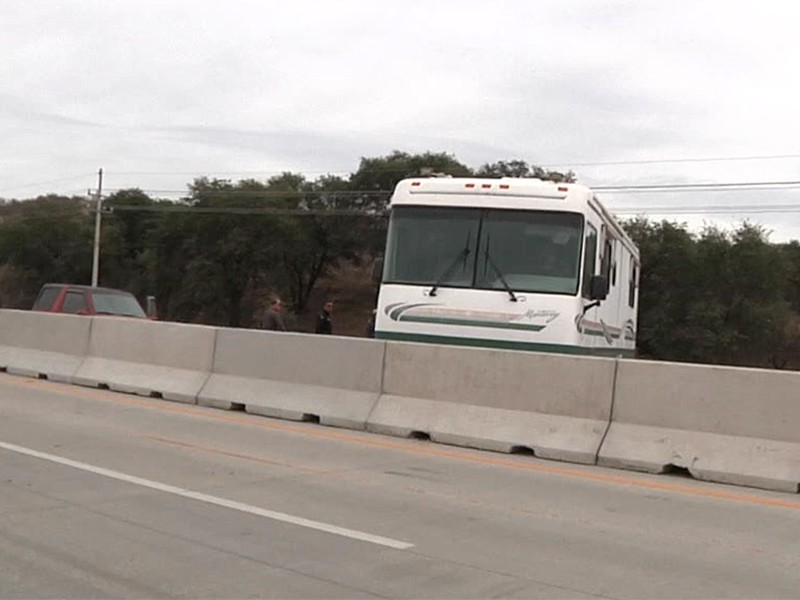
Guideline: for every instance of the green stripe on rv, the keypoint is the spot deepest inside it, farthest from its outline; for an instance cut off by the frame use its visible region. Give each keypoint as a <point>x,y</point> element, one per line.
<point>504,344</point>
<point>471,323</point>
<point>599,333</point>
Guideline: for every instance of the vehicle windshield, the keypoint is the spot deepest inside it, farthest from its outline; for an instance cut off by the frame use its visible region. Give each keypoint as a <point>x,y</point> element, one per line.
<point>533,251</point>
<point>424,242</point>
<point>117,304</point>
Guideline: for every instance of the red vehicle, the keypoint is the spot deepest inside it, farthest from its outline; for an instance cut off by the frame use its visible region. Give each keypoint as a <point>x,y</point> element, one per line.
<point>87,300</point>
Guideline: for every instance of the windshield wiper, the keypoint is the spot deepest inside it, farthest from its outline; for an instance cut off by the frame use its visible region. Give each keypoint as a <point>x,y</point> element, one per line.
<point>452,267</point>
<point>497,270</point>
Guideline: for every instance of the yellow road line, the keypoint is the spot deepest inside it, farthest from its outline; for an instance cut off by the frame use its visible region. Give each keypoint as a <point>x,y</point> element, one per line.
<point>229,454</point>
<point>406,446</point>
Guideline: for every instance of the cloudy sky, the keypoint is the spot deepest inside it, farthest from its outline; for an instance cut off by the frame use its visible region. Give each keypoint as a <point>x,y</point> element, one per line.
<point>158,92</point>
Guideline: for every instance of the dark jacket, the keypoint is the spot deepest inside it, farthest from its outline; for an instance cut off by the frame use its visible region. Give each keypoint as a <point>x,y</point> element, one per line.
<point>273,321</point>
<point>324,323</point>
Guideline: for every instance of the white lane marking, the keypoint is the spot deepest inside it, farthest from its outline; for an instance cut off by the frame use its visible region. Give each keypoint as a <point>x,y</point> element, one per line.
<point>184,493</point>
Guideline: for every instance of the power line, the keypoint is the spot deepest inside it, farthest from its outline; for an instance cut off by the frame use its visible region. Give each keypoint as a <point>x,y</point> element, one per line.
<point>75,212</point>
<point>61,180</point>
<point>708,210</point>
<point>235,210</point>
<point>698,186</point>
<point>390,167</point>
<point>381,195</point>
<point>567,164</point>
<point>701,186</point>
<point>660,210</point>
<point>260,193</point>
<point>61,215</point>
<point>702,191</point>
<point>214,174</point>
<point>674,160</point>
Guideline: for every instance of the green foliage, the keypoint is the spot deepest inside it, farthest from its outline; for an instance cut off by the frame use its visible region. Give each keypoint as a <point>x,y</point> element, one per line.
<point>791,258</point>
<point>124,241</point>
<point>46,239</point>
<point>520,168</point>
<point>222,254</point>
<point>216,265</point>
<point>383,173</point>
<point>168,252</point>
<point>717,297</point>
<point>727,297</point>
<point>312,244</point>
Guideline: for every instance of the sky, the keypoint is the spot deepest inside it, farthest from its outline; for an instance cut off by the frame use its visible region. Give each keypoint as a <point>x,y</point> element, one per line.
<point>160,92</point>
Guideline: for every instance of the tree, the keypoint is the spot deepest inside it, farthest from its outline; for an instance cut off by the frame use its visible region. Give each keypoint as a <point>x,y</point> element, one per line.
<point>166,256</point>
<point>755,294</point>
<point>48,239</point>
<point>716,297</point>
<point>383,173</point>
<point>314,243</point>
<point>667,255</point>
<point>236,242</point>
<point>791,260</point>
<point>125,235</point>
<point>520,168</point>
<point>227,251</point>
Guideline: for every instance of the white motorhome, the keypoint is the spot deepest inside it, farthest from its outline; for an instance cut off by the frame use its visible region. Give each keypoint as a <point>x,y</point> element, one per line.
<point>507,263</point>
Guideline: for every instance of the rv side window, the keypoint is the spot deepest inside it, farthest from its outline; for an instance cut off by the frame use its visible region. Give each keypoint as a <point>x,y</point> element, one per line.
<point>607,262</point>
<point>589,257</point>
<point>613,265</point>
<point>633,283</point>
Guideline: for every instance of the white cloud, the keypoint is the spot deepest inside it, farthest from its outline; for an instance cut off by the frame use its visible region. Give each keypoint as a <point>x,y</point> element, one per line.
<point>200,87</point>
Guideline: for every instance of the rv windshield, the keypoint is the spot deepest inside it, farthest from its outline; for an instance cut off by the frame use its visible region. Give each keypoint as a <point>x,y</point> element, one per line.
<point>533,251</point>
<point>424,242</point>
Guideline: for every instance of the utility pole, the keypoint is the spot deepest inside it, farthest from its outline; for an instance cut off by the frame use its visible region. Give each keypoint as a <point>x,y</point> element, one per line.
<point>99,209</point>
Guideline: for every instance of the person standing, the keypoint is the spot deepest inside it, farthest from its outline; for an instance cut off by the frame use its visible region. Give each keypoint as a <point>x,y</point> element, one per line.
<point>324,321</point>
<point>273,320</point>
<point>371,324</point>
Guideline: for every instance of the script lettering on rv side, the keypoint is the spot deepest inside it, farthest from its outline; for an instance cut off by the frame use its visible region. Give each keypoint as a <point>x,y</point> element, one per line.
<point>548,315</point>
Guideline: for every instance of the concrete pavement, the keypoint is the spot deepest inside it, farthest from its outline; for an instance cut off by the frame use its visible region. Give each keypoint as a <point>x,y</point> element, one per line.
<point>479,525</point>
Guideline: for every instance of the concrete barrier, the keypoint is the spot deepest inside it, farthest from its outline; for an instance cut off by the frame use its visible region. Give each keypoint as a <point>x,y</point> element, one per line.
<point>38,344</point>
<point>556,405</point>
<point>168,360</point>
<point>723,424</point>
<point>333,380</point>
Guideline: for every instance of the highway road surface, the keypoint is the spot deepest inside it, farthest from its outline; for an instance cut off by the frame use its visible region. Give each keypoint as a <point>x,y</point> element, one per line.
<point>104,495</point>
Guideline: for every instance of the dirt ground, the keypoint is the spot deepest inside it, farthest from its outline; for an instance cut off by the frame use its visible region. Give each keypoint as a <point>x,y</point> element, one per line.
<point>354,294</point>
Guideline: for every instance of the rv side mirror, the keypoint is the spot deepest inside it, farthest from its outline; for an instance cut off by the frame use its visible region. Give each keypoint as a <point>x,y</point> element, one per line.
<point>598,287</point>
<point>377,271</point>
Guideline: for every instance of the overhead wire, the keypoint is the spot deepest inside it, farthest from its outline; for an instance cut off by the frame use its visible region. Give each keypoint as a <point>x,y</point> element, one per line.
<point>688,186</point>
<point>611,190</point>
<point>712,185</point>
<point>653,161</point>
<point>566,164</point>
<point>339,172</point>
<point>49,182</point>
